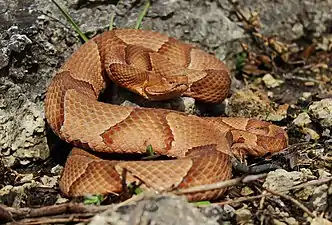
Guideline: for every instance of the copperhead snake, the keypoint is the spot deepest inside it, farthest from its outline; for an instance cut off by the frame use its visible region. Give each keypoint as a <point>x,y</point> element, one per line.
<point>156,67</point>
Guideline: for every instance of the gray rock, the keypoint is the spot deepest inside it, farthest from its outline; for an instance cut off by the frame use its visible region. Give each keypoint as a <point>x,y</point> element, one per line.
<point>18,42</point>
<point>155,209</point>
<point>322,110</point>
<point>4,57</point>
<point>184,104</point>
<point>302,119</point>
<point>243,216</point>
<point>288,19</point>
<point>319,198</point>
<point>280,179</point>
<point>271,82</point>
<point>320,221</point>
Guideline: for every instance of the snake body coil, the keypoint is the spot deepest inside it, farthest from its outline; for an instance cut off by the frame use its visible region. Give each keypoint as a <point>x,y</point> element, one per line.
<point>156,67</point>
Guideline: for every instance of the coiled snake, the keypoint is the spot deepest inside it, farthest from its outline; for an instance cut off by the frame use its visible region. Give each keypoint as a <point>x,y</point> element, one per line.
<point>156,67</point>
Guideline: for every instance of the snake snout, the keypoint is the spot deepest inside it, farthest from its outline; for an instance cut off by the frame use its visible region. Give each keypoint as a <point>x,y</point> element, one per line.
<point>170,87</point>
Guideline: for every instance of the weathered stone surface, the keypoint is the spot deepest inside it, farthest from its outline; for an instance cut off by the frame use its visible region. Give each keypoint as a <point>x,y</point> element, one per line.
<point>162,210</point>
<point>35,40</point>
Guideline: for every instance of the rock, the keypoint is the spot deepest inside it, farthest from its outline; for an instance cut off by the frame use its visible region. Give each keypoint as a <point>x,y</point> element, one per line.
<point>6,189</point>
<point>306,95</point>
<point>246,191</point>
<point>322,110</point>
<point>302,119</point>
<point>305,193</point>
<point>4,57</point>
<point>26,178</point>
<point>288,25</point>
<point>184,104</point>
<point>254,104</point>
<point>291,221</point>
<point>218,213</point>
<point>49,182</point>
<point>278,222</point>
<point>129,103</point>
<point>323,174</point>
<point>312,134</point>
<point>320,221</point>
<point>270,81</point>
<point>61,200</point>
<point>155,209</point>
<point>280,179</point>
<point>19,193</point>
<point>21,118</point>
<point>56,170</point>
<point>18,42</point>
<point>243,216</point>
<point>319,198</point>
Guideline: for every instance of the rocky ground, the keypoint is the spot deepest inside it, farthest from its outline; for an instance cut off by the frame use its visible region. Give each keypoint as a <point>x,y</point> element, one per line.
<point>281,61</point>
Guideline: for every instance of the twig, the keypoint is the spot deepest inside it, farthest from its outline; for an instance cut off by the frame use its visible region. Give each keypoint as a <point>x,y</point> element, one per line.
<point>241,199</point>
<point>66,218</point>
<point>296,202</point>
<point>54,210</point>
<point>309,183</point>
<point>292,147</point>
<point>261,206</point>
<point>222,184</point>
<point>271,192</point>
<point>75,212</point>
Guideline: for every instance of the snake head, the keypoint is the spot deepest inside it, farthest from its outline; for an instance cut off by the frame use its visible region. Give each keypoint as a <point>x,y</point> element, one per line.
<point>167,87</point>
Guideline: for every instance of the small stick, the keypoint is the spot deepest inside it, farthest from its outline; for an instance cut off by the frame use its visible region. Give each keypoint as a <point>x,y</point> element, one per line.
<point>54,210</point>
<point>296,202</point>
<point>222,184</point>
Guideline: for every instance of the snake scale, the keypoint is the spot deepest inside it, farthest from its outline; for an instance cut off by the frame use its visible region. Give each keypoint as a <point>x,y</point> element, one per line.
<point>156,67</point>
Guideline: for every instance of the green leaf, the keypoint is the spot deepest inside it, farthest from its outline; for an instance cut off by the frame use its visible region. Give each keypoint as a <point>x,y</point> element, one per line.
<point>202,203</point>
<point>240,60</point>
<point>93,199</point>
<point>138,191</point>
<point>149,150</point>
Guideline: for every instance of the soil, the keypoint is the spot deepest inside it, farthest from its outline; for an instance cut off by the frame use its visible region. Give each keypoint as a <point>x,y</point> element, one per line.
<point>280,55</point>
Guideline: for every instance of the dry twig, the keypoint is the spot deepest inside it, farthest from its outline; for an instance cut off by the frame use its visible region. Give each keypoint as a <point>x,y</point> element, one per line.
<point>222,184</point>
<point>296,202</point>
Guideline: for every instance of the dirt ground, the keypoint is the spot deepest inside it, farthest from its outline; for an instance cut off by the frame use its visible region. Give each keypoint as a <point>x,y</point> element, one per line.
<point>280,57</point>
